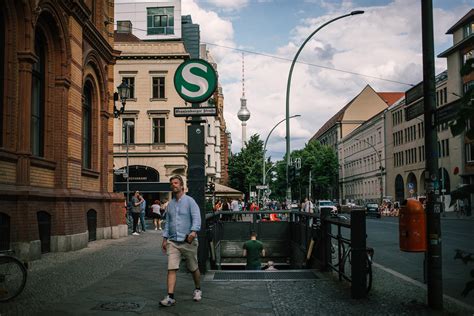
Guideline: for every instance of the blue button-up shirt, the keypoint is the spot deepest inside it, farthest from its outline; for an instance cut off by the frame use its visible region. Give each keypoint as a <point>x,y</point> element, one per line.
<point>183,216</point>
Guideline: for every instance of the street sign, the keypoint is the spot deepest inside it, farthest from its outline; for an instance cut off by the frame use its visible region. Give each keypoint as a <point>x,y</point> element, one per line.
<point>261,187</point>
<point>414,110</point>
<point>195,80</point>
<point>120,171</point>
<point>447,113</point>
<point>201,111</point>
<point>414,93</point>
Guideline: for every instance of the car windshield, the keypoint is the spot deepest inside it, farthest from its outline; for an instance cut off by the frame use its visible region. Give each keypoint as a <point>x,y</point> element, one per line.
<point>326,203</point>
<point>372,205</point>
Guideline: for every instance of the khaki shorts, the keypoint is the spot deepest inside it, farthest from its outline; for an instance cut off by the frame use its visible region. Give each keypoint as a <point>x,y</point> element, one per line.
<point>175,250</point>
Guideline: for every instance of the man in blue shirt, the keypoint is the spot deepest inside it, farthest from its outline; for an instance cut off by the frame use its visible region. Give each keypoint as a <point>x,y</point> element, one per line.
<point>183,221</point>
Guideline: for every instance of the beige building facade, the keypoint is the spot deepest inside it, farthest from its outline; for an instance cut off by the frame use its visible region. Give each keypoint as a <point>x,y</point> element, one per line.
<point>157,140</point>
<point>406,150</point>
<point>362,160</point>
<point>364,106</point>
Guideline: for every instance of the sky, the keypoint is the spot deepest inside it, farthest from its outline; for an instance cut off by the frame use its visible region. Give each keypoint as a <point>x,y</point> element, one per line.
<point>383,45</point>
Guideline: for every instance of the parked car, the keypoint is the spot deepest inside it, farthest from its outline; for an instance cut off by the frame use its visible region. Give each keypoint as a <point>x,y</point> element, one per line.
<point>326,203</point>
<point>372,209</point>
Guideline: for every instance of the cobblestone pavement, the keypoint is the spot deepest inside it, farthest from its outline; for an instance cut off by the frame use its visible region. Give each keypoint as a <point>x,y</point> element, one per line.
<point>128,276</point>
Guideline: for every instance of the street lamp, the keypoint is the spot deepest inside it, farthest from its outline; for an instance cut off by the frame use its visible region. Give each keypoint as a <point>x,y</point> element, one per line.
<point>288,161</point>
<point>124,94</point>
<point>380,166</point>
<point>127,125</point>
<point>265,145</point>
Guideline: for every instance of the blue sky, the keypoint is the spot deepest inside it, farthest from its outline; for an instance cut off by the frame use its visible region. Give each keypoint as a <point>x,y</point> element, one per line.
<point>385,42</point>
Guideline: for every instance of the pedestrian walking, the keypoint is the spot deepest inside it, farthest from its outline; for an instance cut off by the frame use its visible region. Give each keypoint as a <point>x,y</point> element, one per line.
<point>156,214</point>
<point>183,221</point>
<point>164,207</point>
<point>136,201</point>
<point>253,248</point>
<point>142,214</point>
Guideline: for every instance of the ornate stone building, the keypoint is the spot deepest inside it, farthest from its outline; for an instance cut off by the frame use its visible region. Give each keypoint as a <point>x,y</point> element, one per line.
<point>56,125</point>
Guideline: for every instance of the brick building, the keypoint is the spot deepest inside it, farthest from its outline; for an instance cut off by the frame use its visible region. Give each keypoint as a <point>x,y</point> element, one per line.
<point>56,126</point>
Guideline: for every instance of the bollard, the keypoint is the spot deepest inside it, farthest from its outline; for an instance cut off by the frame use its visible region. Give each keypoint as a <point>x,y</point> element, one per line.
<point>359,255</point>
<point>325,239</point>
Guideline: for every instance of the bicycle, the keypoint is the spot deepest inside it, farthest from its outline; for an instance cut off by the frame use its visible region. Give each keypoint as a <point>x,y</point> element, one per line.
<point>13,276</point>
<point>346,254</point>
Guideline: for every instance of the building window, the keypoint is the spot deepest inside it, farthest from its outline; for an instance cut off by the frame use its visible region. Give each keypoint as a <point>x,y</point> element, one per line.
<point>37,98</point>
<point>160,21</point>
<point>158,87</point>
<point>124,27</point>
<point>469,152</point>
<point>131,131</point>
<point>208,160</point>
<point>87,126</point>
<point>467,29</point>
<point>131,83</point>
<point>158,130</point>
<point>468,55</point>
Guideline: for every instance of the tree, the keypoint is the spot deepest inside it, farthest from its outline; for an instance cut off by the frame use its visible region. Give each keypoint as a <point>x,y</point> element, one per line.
<point>321,160</point>
<point>245,167</point>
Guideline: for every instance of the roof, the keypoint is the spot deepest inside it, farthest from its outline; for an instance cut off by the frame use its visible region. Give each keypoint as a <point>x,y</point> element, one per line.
<point>125,37</point>
<point>391,97</point>
<point>225,191</point>
<point>332,121</point>
<point>466,18</point>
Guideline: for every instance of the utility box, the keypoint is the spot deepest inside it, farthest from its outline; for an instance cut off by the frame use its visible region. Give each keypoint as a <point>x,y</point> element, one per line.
<point>412,226</point>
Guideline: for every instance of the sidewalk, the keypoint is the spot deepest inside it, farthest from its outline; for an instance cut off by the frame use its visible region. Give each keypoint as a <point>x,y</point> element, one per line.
<point>128,277</point>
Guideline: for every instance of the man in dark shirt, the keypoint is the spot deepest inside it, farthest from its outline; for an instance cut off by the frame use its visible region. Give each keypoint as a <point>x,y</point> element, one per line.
<point>253,248</point>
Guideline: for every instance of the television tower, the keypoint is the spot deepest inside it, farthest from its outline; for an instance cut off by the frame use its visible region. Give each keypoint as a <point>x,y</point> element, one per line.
<point>244,113</point>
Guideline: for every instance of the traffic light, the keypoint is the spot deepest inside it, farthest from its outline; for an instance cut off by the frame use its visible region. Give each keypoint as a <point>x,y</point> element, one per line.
<point>292,173</point>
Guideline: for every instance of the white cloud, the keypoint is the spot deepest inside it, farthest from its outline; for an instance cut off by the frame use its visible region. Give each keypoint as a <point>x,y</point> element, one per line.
<point>228,5</point>
<point>384,42</point>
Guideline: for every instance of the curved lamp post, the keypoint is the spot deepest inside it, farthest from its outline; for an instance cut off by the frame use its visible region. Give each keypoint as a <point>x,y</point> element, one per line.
<point>288,160</point>
<point>265,145</point>
<point>379,156</point>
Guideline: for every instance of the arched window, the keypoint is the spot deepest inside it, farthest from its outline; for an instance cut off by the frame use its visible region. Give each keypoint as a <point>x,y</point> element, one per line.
<point>87,126</point>
<point>2,73</point>
<point>37,97</point>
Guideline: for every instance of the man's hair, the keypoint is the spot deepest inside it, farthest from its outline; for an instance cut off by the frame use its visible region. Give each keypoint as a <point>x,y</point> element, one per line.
<point>253,234</point>
<point>176,176</point>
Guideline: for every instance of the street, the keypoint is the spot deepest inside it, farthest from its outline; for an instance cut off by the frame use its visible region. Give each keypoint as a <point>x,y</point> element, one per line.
<point>382,235</point>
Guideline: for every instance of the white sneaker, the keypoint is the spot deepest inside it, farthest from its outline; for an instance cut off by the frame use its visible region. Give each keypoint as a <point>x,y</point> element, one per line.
<point>136,234</point>
<point>197,295</point>
<point>156,228</point>
<point>167,301</point>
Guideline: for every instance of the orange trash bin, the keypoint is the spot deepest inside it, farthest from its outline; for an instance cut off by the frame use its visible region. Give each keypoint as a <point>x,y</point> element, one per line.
<point>412,227</point>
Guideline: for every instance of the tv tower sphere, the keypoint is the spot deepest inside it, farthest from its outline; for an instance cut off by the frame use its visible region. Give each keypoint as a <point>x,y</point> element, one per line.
<point>244,113</point>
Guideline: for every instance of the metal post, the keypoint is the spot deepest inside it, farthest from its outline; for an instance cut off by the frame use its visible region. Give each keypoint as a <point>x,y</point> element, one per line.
<point>434,271</point>
<point>288,84</point>
<point>359,255</point>
<point>265,145</point>
<point>197,181</point>
<point>127,132</point>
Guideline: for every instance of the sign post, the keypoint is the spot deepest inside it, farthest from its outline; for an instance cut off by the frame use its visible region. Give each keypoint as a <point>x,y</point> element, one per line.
<point>195,81</point>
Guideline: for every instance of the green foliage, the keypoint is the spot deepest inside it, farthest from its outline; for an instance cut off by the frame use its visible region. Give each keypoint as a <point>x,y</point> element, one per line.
<point>245,167</point>
<point>321,160</point>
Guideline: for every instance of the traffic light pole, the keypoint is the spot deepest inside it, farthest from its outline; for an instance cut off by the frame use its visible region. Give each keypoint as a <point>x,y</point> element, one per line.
<point>433,207</point>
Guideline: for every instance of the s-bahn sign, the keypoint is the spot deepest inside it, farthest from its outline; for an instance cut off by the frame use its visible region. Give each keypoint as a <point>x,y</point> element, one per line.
<point>195,80</point>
